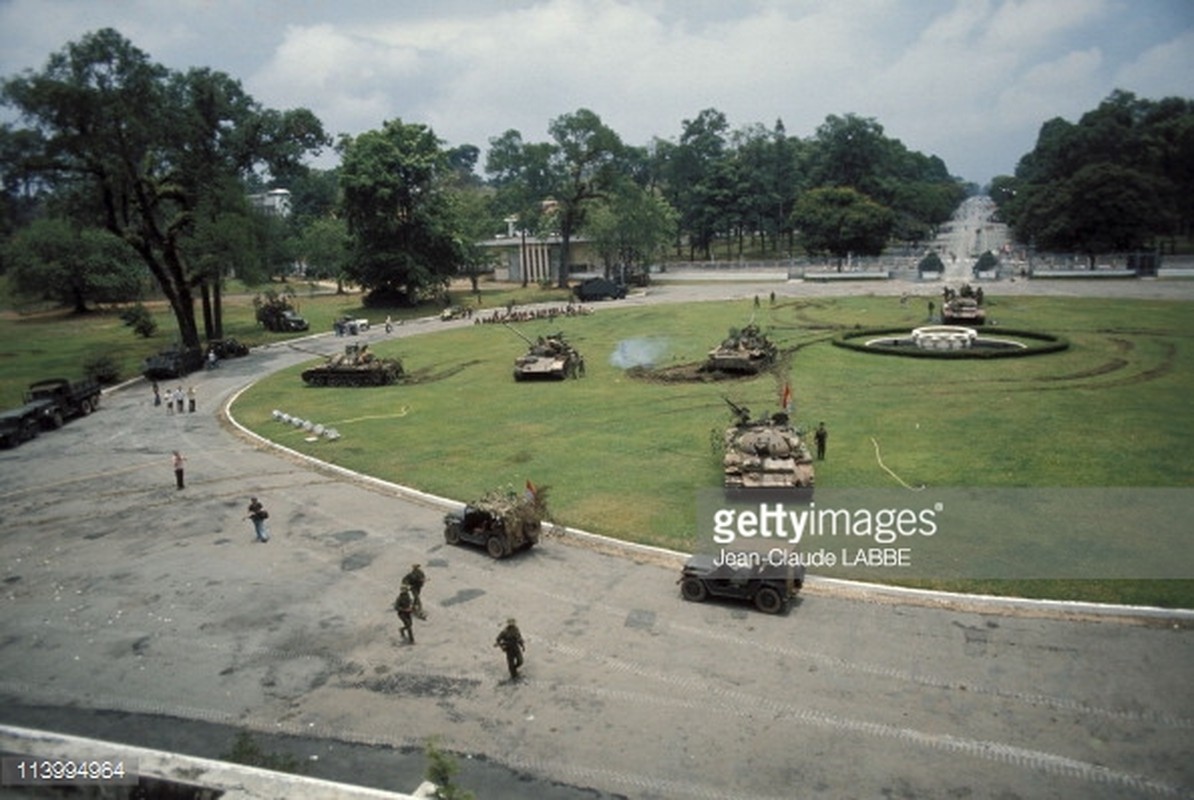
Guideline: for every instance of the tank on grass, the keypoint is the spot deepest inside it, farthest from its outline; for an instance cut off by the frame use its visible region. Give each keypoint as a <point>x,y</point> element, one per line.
<point>746,351</point>
<point>355,367</point>
<point>549,357</point>
<point>766,453</point>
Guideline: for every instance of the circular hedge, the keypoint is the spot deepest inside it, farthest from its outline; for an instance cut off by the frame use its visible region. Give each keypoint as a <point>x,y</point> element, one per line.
<point>1037,343</point>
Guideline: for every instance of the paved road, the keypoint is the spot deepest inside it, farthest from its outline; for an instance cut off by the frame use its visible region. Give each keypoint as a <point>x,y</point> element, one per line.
<point>124,594</point>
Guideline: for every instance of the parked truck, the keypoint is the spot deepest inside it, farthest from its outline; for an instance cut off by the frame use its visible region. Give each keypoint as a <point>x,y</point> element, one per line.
<point>48,405</point>
<point>20,424</point>
<point>62,399</point>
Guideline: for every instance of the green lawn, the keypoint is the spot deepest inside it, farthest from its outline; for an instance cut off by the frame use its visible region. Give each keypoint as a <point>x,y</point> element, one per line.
<point>626,456</point>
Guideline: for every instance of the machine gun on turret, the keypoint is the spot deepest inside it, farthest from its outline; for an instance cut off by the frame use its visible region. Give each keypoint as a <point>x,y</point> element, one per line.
<point>741,413</point>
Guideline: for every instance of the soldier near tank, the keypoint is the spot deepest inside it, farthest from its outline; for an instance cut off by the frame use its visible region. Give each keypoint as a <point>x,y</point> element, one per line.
<point>821,437</point>
<point>404,604</point>
<point>415,580</point>
<point>510,640</point>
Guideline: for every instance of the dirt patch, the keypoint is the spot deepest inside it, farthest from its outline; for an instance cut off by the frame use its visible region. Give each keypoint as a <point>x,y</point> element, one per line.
<point>430,375</point>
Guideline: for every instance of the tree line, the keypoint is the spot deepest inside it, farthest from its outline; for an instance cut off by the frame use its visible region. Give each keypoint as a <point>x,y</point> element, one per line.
<point>1120,179</point>
<point>123,170</point>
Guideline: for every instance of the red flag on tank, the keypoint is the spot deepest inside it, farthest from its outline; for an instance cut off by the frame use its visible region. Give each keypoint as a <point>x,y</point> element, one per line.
<point>786,399</point>
<point>531,493</point>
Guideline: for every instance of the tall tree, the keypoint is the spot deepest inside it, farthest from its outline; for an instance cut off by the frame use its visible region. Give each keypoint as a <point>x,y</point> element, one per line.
<point>584,166</point>
<point>1119,178</point>
<point>150,144</point>
<point>841,221</point>
<point>551,184</point>
<point>405,234</point>
<point>630,227</point>
<point>696,177</point>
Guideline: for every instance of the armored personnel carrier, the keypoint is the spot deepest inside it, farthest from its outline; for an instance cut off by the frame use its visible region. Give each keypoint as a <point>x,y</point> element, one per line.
<point>501,522</point>
<point>746,351</point>
<point>767,453</point>
<point>356,367</point>
<point>172,363</point>
<point>551,357</point>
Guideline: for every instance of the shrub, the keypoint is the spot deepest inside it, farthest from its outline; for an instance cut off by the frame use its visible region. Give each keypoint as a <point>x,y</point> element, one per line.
<point>930,263</point>
<point>140,320</point>
<point>102,368</point>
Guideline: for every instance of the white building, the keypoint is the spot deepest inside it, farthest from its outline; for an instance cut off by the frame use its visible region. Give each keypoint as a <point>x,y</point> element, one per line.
<point>275,202</point>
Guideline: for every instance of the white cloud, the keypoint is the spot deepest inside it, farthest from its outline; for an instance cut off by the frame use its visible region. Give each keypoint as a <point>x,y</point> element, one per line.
<point>1164,70</point>
<point>968,80</point>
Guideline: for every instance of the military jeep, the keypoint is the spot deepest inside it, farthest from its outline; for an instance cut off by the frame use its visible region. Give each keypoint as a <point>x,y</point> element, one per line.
<point>501,522</point>
<point>770,588</point>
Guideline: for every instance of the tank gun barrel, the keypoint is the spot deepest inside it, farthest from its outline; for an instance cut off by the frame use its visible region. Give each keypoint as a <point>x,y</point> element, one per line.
<point>741,412</point>
<point>518,333</point>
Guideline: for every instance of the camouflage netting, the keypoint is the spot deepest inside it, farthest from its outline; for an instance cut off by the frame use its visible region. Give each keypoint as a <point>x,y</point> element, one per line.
<point>518,510</point>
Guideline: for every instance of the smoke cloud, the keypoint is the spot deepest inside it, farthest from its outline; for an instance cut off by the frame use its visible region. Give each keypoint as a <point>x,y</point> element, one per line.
<point>639,352</point>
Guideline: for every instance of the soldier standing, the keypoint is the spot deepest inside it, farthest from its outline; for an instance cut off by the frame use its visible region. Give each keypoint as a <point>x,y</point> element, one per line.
<point>510,640</point>
<point>405,605</point>
<point>415,580</point>
<point>821,436</point>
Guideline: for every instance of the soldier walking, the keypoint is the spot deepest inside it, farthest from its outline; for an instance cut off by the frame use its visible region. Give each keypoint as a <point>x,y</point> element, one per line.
<point>510,640</point>
<point>415,580</point>
<point>405,606</point>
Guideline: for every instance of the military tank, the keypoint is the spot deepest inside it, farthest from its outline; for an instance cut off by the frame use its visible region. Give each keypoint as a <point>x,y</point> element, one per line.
<point>355,367</point>
<point>963,307</point>
<point>766,453</point>
<point>502,522</point>
<point>550,357</point>
<point>746,351</point>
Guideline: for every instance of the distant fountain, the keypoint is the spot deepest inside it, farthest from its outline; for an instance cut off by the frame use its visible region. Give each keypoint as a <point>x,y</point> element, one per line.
<point>944,337</point>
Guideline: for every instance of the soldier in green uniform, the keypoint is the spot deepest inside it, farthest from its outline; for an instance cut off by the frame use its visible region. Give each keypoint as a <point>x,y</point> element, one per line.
<point>405,606</point>
<point>510,640</point>
<point>821,436</point>
<point>415,580</point>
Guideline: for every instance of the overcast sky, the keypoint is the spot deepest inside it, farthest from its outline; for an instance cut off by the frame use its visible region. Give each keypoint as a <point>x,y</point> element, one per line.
<point>970,81</point>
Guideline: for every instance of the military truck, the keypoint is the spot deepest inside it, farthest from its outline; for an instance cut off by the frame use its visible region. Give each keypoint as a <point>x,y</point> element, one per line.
<point>48,405</point>
<point>770,588</point>
<point>19,425</point>
<point>501,522</point>
<point>745,351</point>
<point>765,453</point>
<point>62,399</point>
<point>357,366</point>
<point>593,289</point>
<point>550,357</point>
